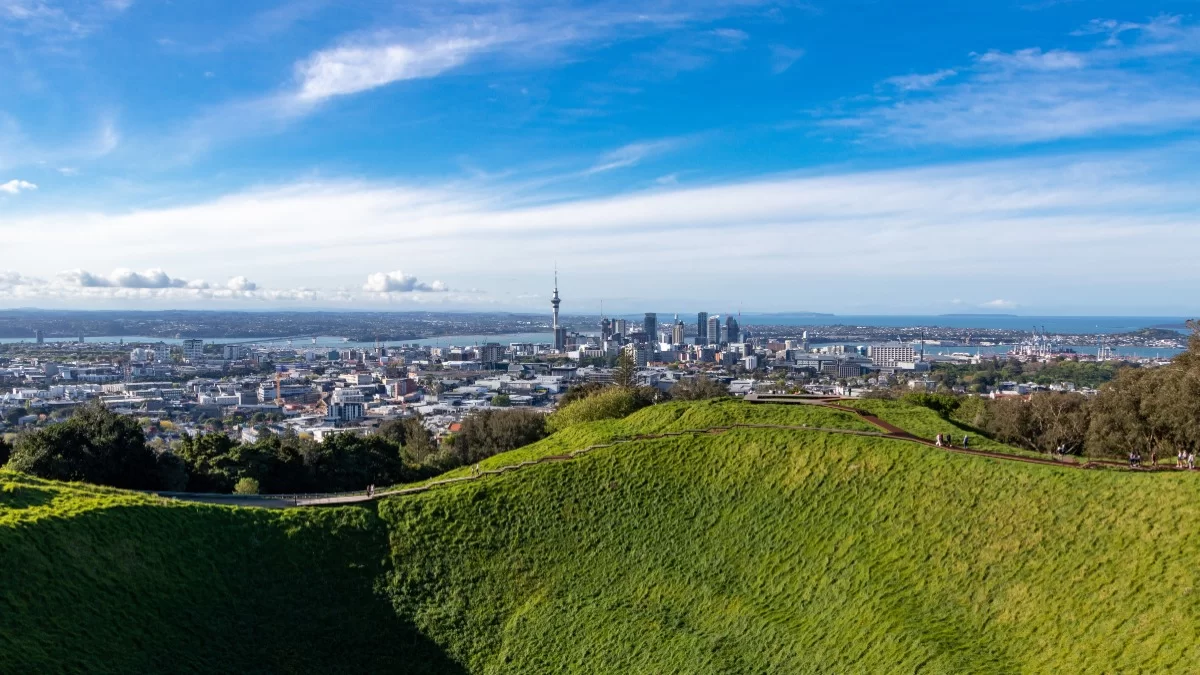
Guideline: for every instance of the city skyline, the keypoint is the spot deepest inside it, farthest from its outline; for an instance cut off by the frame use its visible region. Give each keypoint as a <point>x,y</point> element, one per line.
<point>1028,158</point>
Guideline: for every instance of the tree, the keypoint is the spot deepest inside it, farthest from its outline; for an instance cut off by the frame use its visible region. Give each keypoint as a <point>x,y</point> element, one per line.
<point>698,388</point>
<point>96,446</point>
<point>489,432</point>
<point>625,374</point>
<point>501,400</point>
<point>5,451</point>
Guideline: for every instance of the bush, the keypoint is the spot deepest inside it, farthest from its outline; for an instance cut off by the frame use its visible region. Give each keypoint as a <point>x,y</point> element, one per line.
<point>246,486</point>
<point>698,388</point>
<point>942,404</point>
<point>611,403</point>
<point>489,432</point>
<point>5,451</point>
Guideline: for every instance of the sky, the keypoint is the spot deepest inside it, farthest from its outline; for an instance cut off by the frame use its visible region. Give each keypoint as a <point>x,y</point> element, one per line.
<point>1020,156</point>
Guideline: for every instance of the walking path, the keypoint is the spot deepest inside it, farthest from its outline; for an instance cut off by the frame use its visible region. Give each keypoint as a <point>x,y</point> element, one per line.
<point>886,430</point>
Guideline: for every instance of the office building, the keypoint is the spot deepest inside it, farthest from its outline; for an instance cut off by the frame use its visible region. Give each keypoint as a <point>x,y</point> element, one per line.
<point>650,327</point>
<point>38,337</point>
<point>619,327</point>
<point>732,332</point>
<point>713,330</point>
<point>677,331</point>
<point>702,328</point>
<point>888,355</point>
<point>491,353</point>
<point>346,405</point>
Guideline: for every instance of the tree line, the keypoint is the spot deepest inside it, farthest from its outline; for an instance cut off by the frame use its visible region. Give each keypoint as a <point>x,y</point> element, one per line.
<point>1155,411</point>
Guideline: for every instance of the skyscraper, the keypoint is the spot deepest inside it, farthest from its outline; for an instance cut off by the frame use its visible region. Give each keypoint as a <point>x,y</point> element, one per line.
<point>714,330</point>
<point>650,326</point>
<point>732,332</point>
<point>677,331</point>
<point>702,328</point>
<point>560,333</point>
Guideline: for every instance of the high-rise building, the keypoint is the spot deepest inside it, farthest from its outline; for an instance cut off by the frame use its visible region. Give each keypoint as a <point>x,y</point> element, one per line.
<point>38,337</point>
<point>702,328</point>
<point>193,350</point>
<point>491,353</point>
<point>619,327</point>
<point>560,333</point>
<point>714,330</point>
<point>605,328</point>
<point>732,332</point>
<point>677,331</point>
<point>650,327</point>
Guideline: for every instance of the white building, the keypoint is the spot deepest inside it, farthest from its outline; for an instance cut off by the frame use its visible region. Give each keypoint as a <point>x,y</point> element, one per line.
<point>888,355</point>
<point>193,350</point>
<point>346,405</point>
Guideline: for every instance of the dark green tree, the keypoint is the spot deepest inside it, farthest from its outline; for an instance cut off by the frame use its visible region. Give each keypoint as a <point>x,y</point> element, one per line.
<point>95,446</point>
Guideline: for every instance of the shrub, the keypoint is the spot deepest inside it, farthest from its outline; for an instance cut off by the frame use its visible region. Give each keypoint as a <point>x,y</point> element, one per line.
<point>246,486</point>
<point>489,432</point>
<point>611,403</point>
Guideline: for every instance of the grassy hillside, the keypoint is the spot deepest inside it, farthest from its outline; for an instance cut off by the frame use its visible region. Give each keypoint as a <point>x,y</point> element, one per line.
<point>674,416</point>
<point>750,551</point>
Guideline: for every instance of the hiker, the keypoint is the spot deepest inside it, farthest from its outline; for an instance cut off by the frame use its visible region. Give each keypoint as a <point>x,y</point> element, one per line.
<point>1132,459</point>
<point>474,469</point>
<point>1180,458</point>
<point>939,440</point>
<point>964,440</point>
<point>370,490</point>
<point>1191,459</point>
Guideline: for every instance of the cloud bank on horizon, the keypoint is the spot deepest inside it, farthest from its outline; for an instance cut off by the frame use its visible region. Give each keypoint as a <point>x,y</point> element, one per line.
<point>700,155</point>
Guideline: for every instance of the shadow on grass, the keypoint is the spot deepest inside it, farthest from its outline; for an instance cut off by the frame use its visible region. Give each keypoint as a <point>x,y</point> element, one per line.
<point>149,589</point>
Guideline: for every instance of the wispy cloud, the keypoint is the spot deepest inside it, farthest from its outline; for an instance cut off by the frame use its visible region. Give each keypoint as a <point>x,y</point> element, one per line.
<point>1142,79</point>
<point>920,81</point>
<point>632,154</point>
<point>783,58</point>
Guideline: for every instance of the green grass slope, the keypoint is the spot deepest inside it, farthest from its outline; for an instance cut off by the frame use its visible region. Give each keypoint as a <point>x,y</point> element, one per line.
<point>669,417</point>
<point>802,552</point>
<point>750,551</point>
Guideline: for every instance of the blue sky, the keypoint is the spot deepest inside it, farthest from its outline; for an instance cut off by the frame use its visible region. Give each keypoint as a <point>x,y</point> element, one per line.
<point>1032,156</point>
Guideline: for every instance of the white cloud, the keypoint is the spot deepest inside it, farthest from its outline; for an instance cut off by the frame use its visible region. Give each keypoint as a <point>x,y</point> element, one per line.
<point>999,304</point>
<point>15,186</point>
<point>987,219</point>
<point>68,171</point>
<point>1146,84</point>
<point>240,283</point>
<point>399,282</point>
<point>351,69</point>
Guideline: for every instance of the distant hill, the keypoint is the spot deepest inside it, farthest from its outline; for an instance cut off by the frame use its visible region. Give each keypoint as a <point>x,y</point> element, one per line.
<point>752,550</point>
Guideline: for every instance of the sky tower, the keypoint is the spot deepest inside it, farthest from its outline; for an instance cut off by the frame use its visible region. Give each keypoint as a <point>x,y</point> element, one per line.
<point>560,333</point>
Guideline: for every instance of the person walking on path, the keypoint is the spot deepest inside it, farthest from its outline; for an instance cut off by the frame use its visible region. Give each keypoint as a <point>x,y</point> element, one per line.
<point>370,490</point>
<point>939,440</point>
<point>1179,459</point>
<point>964,440</point>
<point>1191,460</point>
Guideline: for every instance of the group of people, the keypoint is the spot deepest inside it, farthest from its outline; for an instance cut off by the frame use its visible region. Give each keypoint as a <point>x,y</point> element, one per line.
<point>944,440</point>
<point>1185,458</point>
